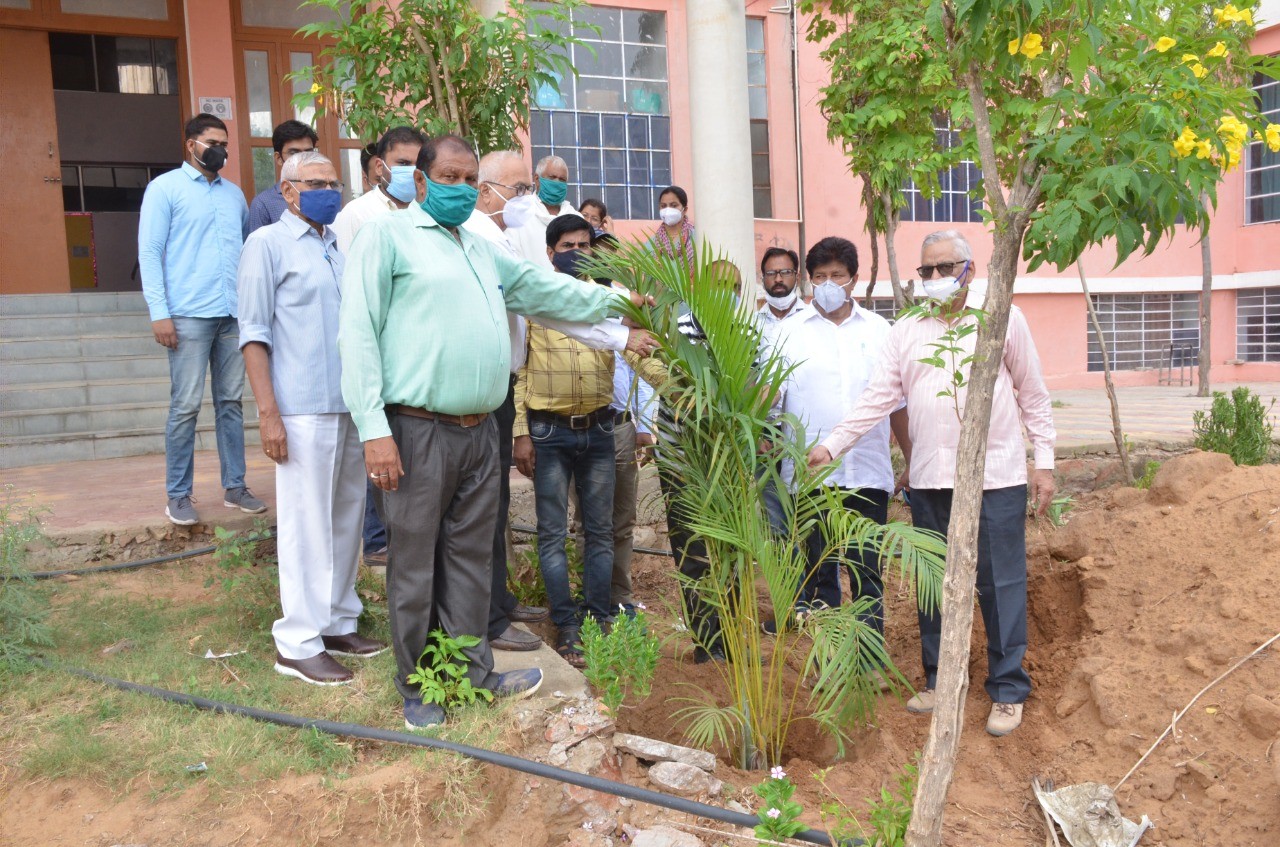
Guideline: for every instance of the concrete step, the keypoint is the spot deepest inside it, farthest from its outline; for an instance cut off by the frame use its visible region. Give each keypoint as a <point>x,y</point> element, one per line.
<point>75,323</point>
<point>82,393</point>
<point>92,420</point>
<point>76,346</point>
<point>60,304</point>
<point>68,369</point>
<point>41,450</point>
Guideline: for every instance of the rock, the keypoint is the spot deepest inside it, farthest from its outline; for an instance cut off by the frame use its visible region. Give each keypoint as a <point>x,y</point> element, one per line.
<point>1196,664</point>
<point>1164,783</point>
<point>664,836</point>
<point>1202,774</point>
<point>1072,542</point>
<point>680,778</point>
<point>1182,478</point>
<point>652,750</point>
<point>587,756</point>
<point>1260,716</point>
<point>1109,695</point>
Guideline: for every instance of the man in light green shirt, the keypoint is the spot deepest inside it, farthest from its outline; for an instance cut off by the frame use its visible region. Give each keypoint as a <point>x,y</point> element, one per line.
<point>425,349</point>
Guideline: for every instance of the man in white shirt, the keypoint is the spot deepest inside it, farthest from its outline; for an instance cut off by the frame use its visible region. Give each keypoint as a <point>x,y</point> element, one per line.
<point>834,347</point>
<point>552,185</point>
<point>505,203</point>
<point>780,274</point>
<point>395,163</point>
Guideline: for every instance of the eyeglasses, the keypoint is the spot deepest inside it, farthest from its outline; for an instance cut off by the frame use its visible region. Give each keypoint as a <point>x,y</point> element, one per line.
<point>520,188</point>
<point>838,279</point>
<point>943,269</point>
<point>317,184</point>
<point>785,273</point>
<point>222,144</point>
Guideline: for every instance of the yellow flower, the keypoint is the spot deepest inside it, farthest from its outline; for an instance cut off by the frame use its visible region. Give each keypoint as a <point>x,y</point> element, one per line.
<point>1245,17</point>
<point>1233,130</point>
<point>1032,45</point>
<point>1014,45</point>
<point>1185,144</point>
<point>1219,50</point>
<point>1199,70</point>
<point>1272,134</point>
<point>1178,95</point>
<point>316,88</point>
<point>1164,43</point>
<point>1204,149</point>
<point>1233,158</point>
<point>1227,14</point>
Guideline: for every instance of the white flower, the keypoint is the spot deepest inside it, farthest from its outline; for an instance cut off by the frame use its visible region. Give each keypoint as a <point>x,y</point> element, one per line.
<point>777,773</point>
<point>773,813</point>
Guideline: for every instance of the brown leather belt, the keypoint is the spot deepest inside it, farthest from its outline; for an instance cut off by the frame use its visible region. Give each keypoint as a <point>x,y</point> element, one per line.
<point>440,417</point>
<point>579,422</point>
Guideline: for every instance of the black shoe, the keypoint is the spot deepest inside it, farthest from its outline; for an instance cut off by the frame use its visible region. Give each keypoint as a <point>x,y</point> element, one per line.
<point>528,614</point>
<point>702,656</point>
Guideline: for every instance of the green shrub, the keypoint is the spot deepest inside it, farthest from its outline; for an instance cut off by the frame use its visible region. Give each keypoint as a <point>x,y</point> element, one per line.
<point>1148,475</point>
<point>22,608</point>
<point>622,662</point>
<point>1237,426</point>
<point>442,672</point>
<point>250,587</point>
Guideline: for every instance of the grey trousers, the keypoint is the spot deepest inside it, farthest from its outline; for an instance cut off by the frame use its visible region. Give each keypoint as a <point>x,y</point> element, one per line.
<point>1002,586</point>
<point>625,484</point>
<point>440,541</point>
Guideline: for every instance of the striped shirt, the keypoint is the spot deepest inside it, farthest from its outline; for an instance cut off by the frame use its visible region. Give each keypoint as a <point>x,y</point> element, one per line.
<point>1021,399</point>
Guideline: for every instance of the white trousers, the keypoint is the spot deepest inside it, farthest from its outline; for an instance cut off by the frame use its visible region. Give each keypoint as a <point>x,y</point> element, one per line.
<point>319,515</point>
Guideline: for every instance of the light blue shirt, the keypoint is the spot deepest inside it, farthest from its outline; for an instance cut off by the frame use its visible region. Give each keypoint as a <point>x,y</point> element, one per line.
<point>290,294</point>
<point>189,239</point>
<point>632,393</point>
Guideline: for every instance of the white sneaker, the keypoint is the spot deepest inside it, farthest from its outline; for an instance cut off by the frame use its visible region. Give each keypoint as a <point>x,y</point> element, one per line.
<point>1004,718</point>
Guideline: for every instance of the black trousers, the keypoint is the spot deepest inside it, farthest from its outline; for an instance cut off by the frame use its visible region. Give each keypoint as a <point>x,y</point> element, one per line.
<point>1002,586</point>
<point>501,600</point>
<point>864,564</point>
<point>691,559</point>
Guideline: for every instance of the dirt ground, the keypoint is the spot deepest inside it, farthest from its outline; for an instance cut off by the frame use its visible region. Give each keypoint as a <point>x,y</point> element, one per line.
<point>1139,602</point>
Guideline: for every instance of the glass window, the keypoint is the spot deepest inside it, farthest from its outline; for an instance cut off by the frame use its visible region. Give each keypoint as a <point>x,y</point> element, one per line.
<point>15,4</point>
<point>257,80</point>
<point>1262,167</point>
<point>1144,330</point>
<point>306,114</point>
<point>73,65</point>
<point>71,199</point>
<point>264,168</point>
<point>165,54</point>
<point>758,104</point>
<point>105,189</point>
<point>152,10</point>
<point>960,187</point>
<point>1258,325</point>
<point>352,177</point>
<point>283,14</point>
<point>125,65</point>
<point>610,123</point>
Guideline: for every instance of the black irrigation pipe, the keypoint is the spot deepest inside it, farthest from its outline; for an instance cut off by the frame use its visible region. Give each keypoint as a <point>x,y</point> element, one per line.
<point>140,563</point>
<point>515,763</point>
<point>652,551</point>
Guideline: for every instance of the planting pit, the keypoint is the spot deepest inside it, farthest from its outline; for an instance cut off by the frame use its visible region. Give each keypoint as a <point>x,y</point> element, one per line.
<point>1162,592</point>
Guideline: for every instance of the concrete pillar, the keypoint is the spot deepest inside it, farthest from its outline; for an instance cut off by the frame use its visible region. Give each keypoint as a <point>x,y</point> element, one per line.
<point>721,129</point>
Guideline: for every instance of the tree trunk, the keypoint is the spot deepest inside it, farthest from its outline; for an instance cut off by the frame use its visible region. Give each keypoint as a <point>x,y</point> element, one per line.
<point>874,232</point>
<point>958,586</point>
<point>1117,432</point>
<point>901,296</point>
<point>1203,387</point>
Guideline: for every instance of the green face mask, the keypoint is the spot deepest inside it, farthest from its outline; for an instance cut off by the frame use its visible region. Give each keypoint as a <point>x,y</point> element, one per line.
<point>552,192</point>
<point>450,205</point>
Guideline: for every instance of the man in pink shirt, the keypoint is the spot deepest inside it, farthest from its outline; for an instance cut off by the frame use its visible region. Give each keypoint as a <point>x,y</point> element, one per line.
<point>1021,400</point>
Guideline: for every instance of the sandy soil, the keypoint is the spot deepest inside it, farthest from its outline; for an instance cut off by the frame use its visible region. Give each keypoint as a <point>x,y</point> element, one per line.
<point>1136,605</point>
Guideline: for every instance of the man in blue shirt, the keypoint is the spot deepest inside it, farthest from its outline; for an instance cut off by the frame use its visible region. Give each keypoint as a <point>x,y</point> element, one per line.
<point>290,293</point>
<point>288,138</point>
<point>189,239</point>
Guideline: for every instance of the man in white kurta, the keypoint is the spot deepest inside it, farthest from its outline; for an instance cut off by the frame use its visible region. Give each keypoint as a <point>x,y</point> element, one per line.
<point>529,237</point>
<point>289,282</point>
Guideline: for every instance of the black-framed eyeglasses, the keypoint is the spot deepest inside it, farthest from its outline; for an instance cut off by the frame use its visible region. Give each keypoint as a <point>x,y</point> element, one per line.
<point>318,184</point>
<point>520,188</point>
<point>943,268</point>
<point>784,273</point>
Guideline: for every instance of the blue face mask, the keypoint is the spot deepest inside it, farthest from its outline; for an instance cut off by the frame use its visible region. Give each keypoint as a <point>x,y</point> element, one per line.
<point>552,192</point>
<point>401,185</point>
<point>320,205</point>
<point>450,205</point>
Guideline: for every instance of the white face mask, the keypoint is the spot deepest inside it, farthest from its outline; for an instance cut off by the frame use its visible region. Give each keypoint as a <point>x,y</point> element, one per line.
<point>830,296</point>
<point>517,211</point>
<point>670,215</point>
<point>944,289</point>
<point>786,301</point>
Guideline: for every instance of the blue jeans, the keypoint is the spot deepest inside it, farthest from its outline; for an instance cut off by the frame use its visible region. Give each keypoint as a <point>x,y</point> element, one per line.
<point>204,345</point>
<point>586,456</point>
<point>374,533</point>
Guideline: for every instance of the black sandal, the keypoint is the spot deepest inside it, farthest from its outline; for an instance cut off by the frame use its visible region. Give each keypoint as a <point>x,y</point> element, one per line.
<point>569,646</point>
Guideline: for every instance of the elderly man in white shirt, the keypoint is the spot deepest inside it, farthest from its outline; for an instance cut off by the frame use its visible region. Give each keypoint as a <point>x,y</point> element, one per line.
<point>833,348</point>
<point>1020,400</point>
<point>289,287</point>
<point>506,204</point>
<point>551,186</point>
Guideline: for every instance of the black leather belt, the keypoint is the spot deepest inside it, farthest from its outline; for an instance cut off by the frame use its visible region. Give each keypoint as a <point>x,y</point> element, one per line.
<point>623,417</point>
<point>577,422</point>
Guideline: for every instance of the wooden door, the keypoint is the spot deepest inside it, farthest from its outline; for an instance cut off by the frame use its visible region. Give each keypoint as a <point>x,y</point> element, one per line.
<point>33,235</point>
